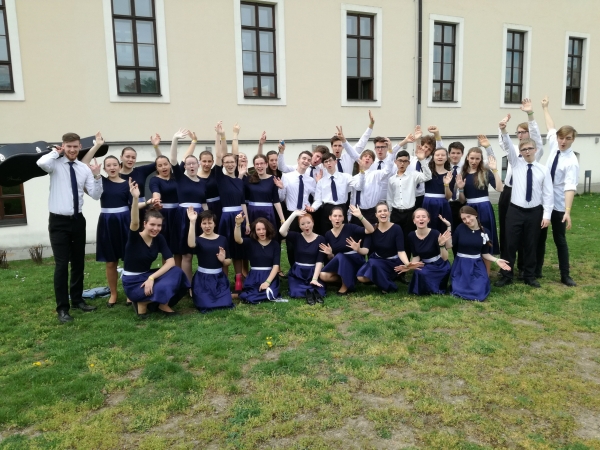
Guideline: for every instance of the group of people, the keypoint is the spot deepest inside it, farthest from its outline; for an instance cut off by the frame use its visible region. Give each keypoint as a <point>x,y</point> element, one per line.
<point>335,207</point>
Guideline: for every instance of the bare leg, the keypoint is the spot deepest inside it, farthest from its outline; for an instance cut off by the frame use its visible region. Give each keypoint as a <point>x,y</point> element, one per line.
<point>488,266</point>
<point>186,265</point>
<point>177,260</point>
<point>363,279</point>
<point>112,276</point>
<point>165,307</point>
<point>142,307</point>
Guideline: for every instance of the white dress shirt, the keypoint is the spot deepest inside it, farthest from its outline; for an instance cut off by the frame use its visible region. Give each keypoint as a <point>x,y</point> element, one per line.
<point>352,154</point>
<point>402,188</point>
<point>375,183</point>
<point>386,164</point>
<point>323,192</point>
<point>534,133</point>
<point>541,192</point>
<point>458,167</point>
<point>566,176</point>
<point>60,200</point>
<point>291,186</point>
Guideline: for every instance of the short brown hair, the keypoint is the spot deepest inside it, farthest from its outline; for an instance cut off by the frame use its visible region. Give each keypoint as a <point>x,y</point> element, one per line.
<point>322,149</point>
<point>371,153</point>
<point>334,139</point>
<point>428,140</point>
<point>327,157</point>
<point>70,137</point>
<point>268,227</point>
<point>379,139</point>
<point>566,130</point>
<point>526,142</point>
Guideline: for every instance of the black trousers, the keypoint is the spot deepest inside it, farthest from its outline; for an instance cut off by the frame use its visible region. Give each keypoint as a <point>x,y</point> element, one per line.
<point>288,245</point>
<point>404,218</point>
<point>369,215</point>
<point>419,201</point>
<point>522,235</point>
<point>559,233</point>
<point>503,204</point>
<point>67,238</point>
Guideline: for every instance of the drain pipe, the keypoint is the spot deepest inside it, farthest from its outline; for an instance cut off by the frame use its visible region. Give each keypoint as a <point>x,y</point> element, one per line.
<point>419,58</point>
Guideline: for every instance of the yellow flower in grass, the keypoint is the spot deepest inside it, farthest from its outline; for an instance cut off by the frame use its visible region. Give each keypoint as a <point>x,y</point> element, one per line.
<point>91,365</point>
<point>270,344</point>
<point>37,363</point>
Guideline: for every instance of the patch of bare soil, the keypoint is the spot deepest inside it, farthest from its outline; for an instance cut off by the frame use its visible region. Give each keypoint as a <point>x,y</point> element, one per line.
<point>589,424</point>
<point>527,323</point>
<point>453,390</point>
<point>373,401</point>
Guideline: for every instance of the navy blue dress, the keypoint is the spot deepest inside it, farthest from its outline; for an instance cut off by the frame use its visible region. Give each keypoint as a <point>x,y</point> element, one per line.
<point>469,276</point>
<point>210,286</point>
<point>346,262</point>
<point>170,203</point>
<point>113,222</point>
<point>213,200</point>
<point>262,259</point>
<point>306,255</point>
<point>168,289</point>
<point>139,175</point>
<point>383,257</point>
<point>231,192</point>
<point>433,276</point>
<point>261,198</point>
<point>189,193</point>
<point>483,208</point>
<point>435,203</point>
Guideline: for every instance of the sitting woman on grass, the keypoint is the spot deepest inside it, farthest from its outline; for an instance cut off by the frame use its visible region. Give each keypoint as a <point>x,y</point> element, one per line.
<point>142,284</point>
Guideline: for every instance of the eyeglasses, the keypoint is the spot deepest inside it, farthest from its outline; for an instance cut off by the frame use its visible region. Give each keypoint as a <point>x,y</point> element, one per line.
<point>403,161</point>
<point>381,148</point>
<point>527,149</point>
<point>522,132</point>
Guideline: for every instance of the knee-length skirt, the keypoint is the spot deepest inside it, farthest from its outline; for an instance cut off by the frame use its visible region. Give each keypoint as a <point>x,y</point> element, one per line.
<point>168,289</point>
<point>346,265</point>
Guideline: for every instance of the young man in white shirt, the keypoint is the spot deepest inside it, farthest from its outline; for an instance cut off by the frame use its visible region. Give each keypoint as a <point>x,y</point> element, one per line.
<point>428,143</point>
<point>564,171</point>
<point>69,178</point>
<point>345,161</point>
<point>315,167</point>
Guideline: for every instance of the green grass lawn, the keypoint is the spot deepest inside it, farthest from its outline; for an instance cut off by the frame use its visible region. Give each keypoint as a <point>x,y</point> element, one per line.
<point>521,370</point>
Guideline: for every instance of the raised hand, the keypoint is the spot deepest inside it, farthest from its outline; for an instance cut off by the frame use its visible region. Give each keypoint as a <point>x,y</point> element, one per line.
<point>99,139</point>
<point>506,118</point>
<point>492,162</point>
<point>317,175</point>
<point>239,219</point>
<point>155,139</point>
<point>448,177</point>
<point>180,134</point>
<point>278,182</point>
<point>299,212</point>
<point>545,101</point>
<point>192,215</point>
<point>409,138</point>
<point>460,183</point>
<point>483,140</point>
<point>219,128</point>
<point>350,242</point>
<point>526,105</point>
<point>340,134</point>
<point>325,248</point>
<point>433,129</point>
<point>420,152</point>
<point>371,118</point>
<point>133,188</point>
<point>221,255</point>
<point>502,124</point>
<point>446,222</point>
<point>355,211</point>
<point>418,133</point>
<point>445,237</point>
<point>309,209</point>
<point>281,147</point>
<point>236,128</point>
<point>263,138</point>
<point>192,136</point>
<point>95,167</point>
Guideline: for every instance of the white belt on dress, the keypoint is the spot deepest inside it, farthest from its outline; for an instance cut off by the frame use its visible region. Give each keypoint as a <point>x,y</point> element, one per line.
<point>349,253</point>
<point>114,210</point>
<point>142,199</point>
<point>214,199</point>
<point>306,265</point>
<point>430,260</point>
<point>210,271</point>
<point>389,257</point>
<point>478,200</point>
<point>187,205</point>
<point>170,205</point>
<point>126,273</point>
<point>260,204</point>
<point>261,268</point>
<point>464,255</point>
<point>435,195</point>
<point>232,209</point>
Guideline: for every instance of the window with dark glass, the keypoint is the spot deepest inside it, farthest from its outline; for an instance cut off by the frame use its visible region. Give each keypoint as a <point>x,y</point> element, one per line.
<point>574,65</point>
<point>136,54</point>
<point>6,81</point>
<point>444,54</point>
<point>258,50</point>
<point>12,205</point>
<point>513,84</point>
<point>359,57</point>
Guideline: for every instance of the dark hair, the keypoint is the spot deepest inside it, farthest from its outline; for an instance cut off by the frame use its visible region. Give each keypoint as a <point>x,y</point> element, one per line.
<point>380,203</point>
<point>255,178</point>
<point>305,152</point>
<point>227,155</point>
<point>206,152</point>
<point>420,209</point>
<point>379,139</point>
<point>432,162</point>
<point>428,140</point>
<point>402,153</point>
<point>270,171</point>
<point>327,157</point>
<point>336,208</point>
<point>321,149</point>
<point>565,130</point>
<point>207,215</point>
<point>472,211</point>
<point>110,157</point>
<point>526,141</point>
<point>371,153</point>
<point>152,213</point>
<point>272,152</point>
<point>334,139</point>
<point>457,145</point>
<point>70,137</point>
<point>161,157</point>
<point>128,148</point>
<point>268,227</point>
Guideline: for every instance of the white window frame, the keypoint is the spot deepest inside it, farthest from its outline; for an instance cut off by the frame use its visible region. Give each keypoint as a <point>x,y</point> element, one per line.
<point>526,62</point>
<point>377,54</point>
<point>281,99</point>
<point>458,60</point>
<point>163,67</point>
<point>584,69</point>
<point>15,55</point>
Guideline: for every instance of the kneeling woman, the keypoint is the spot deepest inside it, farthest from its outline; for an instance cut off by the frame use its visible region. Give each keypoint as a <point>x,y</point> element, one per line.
<point>469,276</point>
<point>303,277</point>
<point>431,248</point>
<point>264,254</point>
<point>142,284</point>
<point>385,247</point>
<point>210,286</point>
<point>343,262</point>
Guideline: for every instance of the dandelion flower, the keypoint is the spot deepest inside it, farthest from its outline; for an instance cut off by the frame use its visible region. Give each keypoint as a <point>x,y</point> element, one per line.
<point>91,365</point>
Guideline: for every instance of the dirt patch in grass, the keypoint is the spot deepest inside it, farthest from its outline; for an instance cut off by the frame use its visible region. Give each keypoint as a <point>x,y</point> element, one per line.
<point>373,401</point>
<point>527,323</point>
<point>589,424</point>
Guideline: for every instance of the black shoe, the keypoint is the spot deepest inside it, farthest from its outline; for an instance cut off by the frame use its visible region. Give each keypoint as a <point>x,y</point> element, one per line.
<point>539,275</point>
<point>110,305</point>
<point>341,294</point>
<point>84,306</point>
<point>310,299</point>
<point>168,313</point>
<point>520,275</point>
<point>532,282</point>
<point>317,297</point>
<point>64,317</point>
<point>503,281</point>
<point>567,281</point>
<point>402,278</point>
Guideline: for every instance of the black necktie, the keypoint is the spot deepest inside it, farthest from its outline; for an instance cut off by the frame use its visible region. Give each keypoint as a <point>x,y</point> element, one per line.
<point>312,169</point>
<point>358,199</point>
<point>333,189</point>
<point>74,189</point>
<point>418,170</point>
<point>339,164</point>
<point>379,166</point>
<point>453,182</point>
<point>299,205</point>
<point>529,190</point>
<point>554,164</point>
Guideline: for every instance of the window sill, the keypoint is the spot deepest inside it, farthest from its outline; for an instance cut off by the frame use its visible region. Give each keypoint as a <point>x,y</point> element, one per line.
<point>125,94</point>
<point>574,106</point>
<point>366,100</point>
<point>444,104</point>
<point>12,223</point>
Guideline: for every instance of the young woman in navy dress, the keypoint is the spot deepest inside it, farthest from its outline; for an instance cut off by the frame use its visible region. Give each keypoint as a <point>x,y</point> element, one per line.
<point>437,190</point>
<point>430,247</point>
<point>210,286</point>
<point>472,184</point>
<point>303,277</point>
<point>262,194</point>
<point>264,254</point>
<point>142,284</point>
<point>164,190</point>
<point>469,277</point>
<point>343,262</point>
<point>385,247</point>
